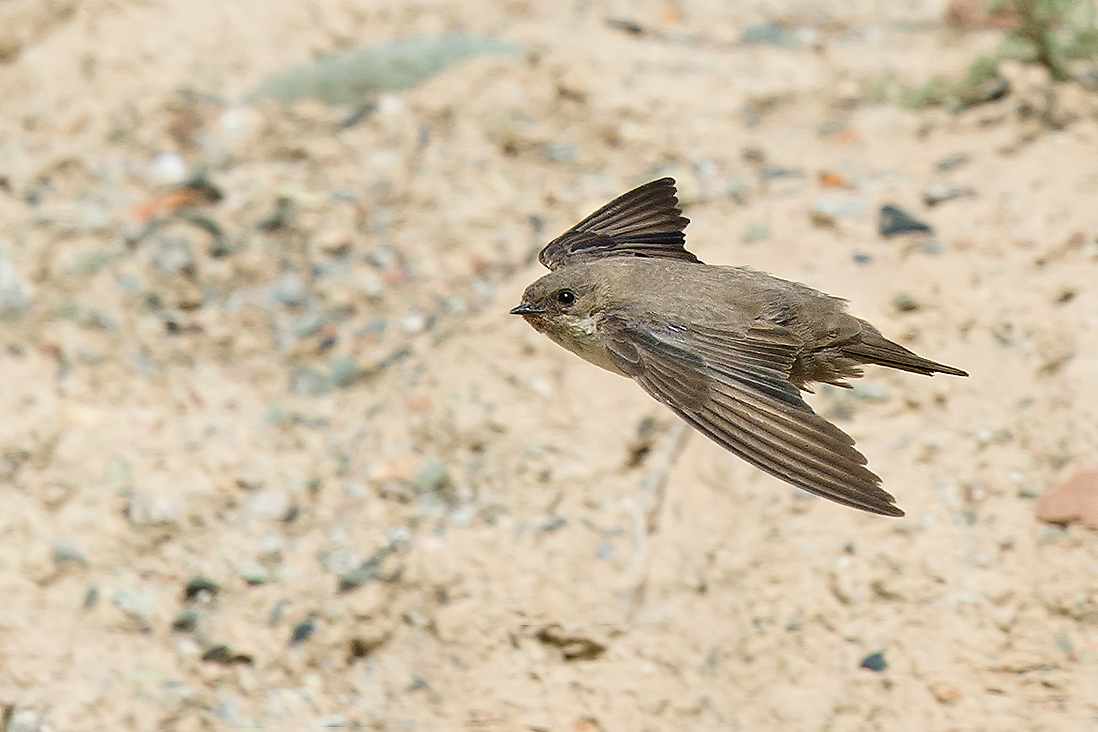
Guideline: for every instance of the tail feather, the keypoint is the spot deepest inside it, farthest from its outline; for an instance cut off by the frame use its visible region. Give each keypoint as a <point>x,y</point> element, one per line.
<point>874,348</point>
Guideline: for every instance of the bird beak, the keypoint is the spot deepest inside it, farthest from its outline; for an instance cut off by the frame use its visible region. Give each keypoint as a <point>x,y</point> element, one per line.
<point>526,309</point>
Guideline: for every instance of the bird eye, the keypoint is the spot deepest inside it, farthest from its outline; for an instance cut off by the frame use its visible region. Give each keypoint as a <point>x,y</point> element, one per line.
<point>566,297</point>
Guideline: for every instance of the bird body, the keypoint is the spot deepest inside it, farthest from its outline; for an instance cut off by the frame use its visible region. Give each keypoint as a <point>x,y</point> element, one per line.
<point>727,348</point>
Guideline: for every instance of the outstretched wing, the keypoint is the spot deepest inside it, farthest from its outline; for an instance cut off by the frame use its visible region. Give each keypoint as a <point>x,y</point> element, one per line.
<point>645,222</point>
<point>734,388</point>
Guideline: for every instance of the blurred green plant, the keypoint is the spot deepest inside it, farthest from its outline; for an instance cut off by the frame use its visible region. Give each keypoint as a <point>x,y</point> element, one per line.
<point>1054,34</point>
<point>1051,33</point>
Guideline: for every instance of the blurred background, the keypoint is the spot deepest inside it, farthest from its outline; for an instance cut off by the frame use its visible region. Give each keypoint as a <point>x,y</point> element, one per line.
<point>275,456</point>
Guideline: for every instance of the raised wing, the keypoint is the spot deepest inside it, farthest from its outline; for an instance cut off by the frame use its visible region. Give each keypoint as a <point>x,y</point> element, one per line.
<point>645,222</point>
<point>734,388</point>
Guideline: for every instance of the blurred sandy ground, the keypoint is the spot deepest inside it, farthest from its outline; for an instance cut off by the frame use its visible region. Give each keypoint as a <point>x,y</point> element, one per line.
<point>283,460</point>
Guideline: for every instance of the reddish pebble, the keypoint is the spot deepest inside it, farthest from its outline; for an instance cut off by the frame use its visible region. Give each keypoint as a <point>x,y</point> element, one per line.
<point>1074,500</point>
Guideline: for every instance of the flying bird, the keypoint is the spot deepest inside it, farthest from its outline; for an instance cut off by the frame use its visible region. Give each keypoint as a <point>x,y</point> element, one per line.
<point>728,349</point>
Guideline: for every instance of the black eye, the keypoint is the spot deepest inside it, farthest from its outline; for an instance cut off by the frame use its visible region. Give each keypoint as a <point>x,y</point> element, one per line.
<point>566,297</point>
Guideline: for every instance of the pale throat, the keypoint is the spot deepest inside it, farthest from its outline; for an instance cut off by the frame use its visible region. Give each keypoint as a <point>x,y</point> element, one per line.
<point>579,334</point>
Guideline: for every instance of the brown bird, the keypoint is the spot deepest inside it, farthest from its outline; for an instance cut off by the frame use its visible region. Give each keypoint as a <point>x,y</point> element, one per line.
<point>728,349</point>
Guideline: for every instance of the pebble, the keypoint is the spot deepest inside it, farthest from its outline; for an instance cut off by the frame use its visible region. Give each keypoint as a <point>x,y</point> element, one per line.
<point>414,323</point>
<point>147,510</point>
<point>254,574</point>
<point>758,231</point>
<point>905,303</point>
<point>138,605</point>
<point>309,382</point>
<point>432,476</point>
<point>268,504</point>
<point>16,296</point>
<point>199,587</point>
<point>1074,500</point>
<point>27,720</point>
<point>560,152</point>
<point>839,207</point>
<point>941,192</point>
<point>945,693</point>
<point>291,290</point>
<point>952,162</point>
<point>186,620</point>
<point>345,371</point>
<point>303,631</point>
<point>553,524</point>
<point>874,662</point>
<point>365,572</point>
<point>172,256</point>
<point>65,553</point>
<point>225,656</point>
<point>332,720</point>
<point>868,391</point>
<point>894,221</point>
<point>168,168</point>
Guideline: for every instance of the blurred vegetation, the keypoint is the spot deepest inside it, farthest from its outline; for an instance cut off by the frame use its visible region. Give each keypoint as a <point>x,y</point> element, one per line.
<point>1060,35</point>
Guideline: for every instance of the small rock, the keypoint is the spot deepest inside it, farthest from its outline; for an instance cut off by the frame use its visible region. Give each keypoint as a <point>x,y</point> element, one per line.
<point>836,207</point>
<point>168,167</point>
<point>309,324</point>
<point>553,524</point>
<point>1074,500</point>
<point>225,656</point>
<point>365,572</point>
<point>268,504</point>
<point>65,553</point>
<point>432,476</point>
<point>905,303</point>
<point>172,256</point>
<point>774,172</point>
<point>758,231</point>
<point>138,605</point>
<point>345,372</point>
<point>862,258</point>
<point>894,221</point>
<point>16,296</point>
<point>868,391</point>
<point>605,550</point>
<point>303,631</point>
<point>941,192</point>
<point>414,323</point>
<point>874,662</point>
<point>186,620</point>
<point>254,574</point>
<point>27,720</point>
<point>332,720</point>
<point>945,693</point>
<point>309,382</point>
<point>291,291</point>
<point>574,646</point>
<point>147,510</point>
<point>560,152</point>
<point>200,586</point>
<point>952,162</point>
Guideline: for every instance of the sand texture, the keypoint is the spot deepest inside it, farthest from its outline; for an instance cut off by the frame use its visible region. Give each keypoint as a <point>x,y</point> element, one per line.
<point>275,455</point>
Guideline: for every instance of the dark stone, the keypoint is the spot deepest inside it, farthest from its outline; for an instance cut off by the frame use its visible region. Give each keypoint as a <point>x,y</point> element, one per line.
<point>894,221</point>
<point>875,662</point>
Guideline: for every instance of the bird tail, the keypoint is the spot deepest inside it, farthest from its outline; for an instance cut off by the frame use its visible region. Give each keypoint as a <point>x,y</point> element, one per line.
<point>874,348</point>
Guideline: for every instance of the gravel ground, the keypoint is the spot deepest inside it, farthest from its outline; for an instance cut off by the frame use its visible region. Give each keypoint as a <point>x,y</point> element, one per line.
<point>277,457</point>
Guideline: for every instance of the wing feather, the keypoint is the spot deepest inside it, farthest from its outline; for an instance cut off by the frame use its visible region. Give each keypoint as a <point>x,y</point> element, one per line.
<point>735,389</point>
<point>645,222</point>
